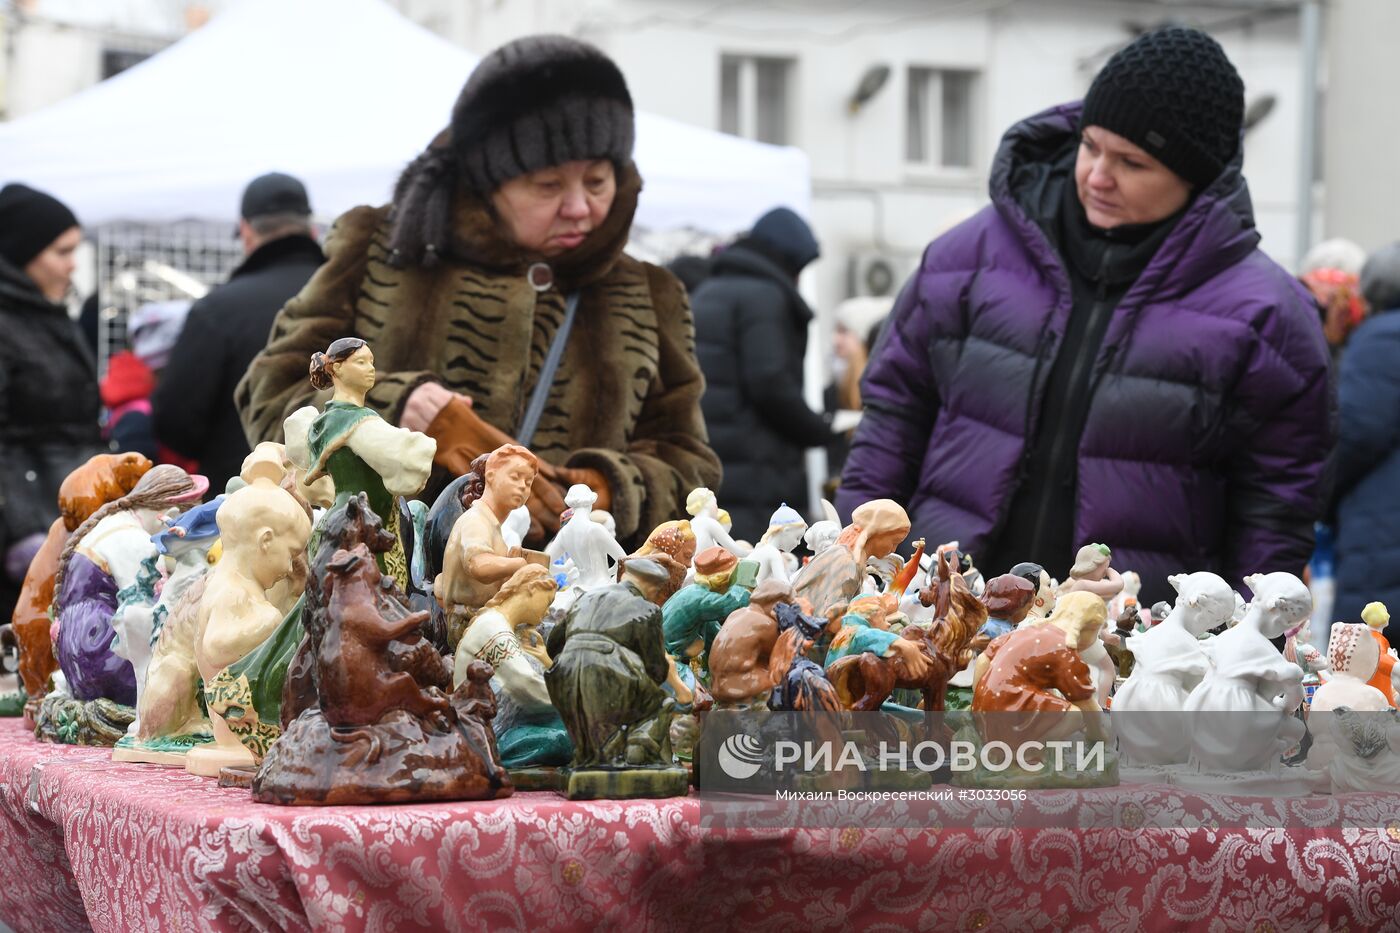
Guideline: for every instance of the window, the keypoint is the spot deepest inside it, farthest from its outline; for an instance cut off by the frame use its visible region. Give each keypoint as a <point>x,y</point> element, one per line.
<point>753,97</point>
<point>942,123</point>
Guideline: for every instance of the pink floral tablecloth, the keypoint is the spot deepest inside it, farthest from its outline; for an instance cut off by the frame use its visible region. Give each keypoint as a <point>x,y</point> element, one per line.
<point>137,847</point>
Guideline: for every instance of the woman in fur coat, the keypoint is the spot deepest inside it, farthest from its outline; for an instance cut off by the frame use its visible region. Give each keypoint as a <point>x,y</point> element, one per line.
<point>519,209</point>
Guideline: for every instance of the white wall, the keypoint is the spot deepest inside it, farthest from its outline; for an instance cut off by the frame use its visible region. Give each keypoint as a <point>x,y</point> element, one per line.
<point>866,197</point>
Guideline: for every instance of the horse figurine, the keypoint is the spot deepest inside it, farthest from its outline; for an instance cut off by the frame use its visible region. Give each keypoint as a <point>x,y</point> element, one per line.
<point>863,682</point>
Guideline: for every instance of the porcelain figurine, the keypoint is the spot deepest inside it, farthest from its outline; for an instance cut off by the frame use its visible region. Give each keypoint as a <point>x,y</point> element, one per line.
<point>1092,573</point>
<point>864,676</point>
<point>740,656</point>
<point>1127,596</point>
<point>1045,587</point>
<point>586,543</point>
<point>834,577</point>
<point>1160,610</point>
<point>262,530</point>
<point>606,681</point>
<point>183,551</point>
<point>1128,624</point>
<point>785,530</point>
<point>1032,686</point>
<point>1356,737</point>
<point>103,478</point>
<point>354,446</point>
<point>1241,713</point>
<point>672,545</point>
<point>528,728</point>
<point>382,729</point>
<point>705,522</point>
<point>102,558</point>
<point>1009,599</point>
<point>821,535</point>
<point>1377,618</point>
<point>1298,648</point>
<point>1169,661</point>
<point>691,619</point>
<point>477,562</point>
<point>800,684</point>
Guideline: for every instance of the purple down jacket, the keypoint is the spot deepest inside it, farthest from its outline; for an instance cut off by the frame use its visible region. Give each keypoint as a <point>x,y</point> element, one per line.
<point>1212,414</point>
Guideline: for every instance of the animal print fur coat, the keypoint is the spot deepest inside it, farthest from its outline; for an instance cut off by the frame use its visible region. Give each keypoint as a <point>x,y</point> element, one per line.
<point>625,400</point>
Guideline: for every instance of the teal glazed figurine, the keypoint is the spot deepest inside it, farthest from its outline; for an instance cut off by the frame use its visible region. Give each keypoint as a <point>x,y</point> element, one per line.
<point>609,665</point>
<point>692,618</point>
<point>355,447</point>
<point>382,729</point>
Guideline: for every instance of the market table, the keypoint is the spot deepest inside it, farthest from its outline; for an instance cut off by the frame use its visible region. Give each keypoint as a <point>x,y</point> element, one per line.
<point>143,847</point>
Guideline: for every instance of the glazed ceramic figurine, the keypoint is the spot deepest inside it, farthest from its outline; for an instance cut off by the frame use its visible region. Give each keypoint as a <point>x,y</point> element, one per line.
<point>1091,573</point>
<point>1169,662</point>
<point>705,522</point>
<point>1127,596</point>
<point>528,728</point>
<point>821,535</point>
<point>785,530</point>
<point>1356,737</point>
<point>672,545</point>
<point>1044,602</point>
<point>1009,600</point>
<point>382,730</point>
<point>799,683</point>
<point>740,656</point>
<point>262,530</point>
<point>866,676</point>
<point>477,562</point>
<point>691,619</point>
<point>103,557</point>
<point>1298,648</point>
<point>354,446</point>
<point>606,681</point>
<point>585,542</point>
<point>1377,618</point>
<point>183,547</point>
<point>102,479</point>
<point>1241,714</point>
<point>834,577</point>
<point>1032,687</point>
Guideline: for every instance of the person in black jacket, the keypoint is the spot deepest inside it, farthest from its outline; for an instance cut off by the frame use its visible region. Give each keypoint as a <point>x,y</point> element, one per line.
<point>48,377</point>
<point>751,337</point>
<point>193,402</point>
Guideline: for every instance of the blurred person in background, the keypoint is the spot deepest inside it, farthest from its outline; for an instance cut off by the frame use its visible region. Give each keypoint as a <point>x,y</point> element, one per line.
<point>1332,272</point>
<point>1104,354</point>
<point>48,376</point>
<point>517,213</point>
<point>1367,496</point>
<point>751,339</point>
<point>691,270</point>
<point>192,407</point>
<point>858,322</point>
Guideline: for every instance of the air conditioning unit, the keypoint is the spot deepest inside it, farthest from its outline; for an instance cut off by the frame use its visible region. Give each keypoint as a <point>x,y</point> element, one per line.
<point>877,274</point>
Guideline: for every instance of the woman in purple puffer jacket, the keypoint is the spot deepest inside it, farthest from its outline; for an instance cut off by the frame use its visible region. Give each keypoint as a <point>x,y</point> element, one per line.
<point>1104,354</point>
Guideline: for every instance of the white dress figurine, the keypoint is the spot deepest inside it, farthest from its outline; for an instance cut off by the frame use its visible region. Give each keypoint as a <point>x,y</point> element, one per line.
<point>785,530</point>
<point>1241,714</point>
<point>585,542</point>
<point>821,535</point>
<point>704,522</point>
<point>516,527</point>
<point>1356,737</point>
<point>1169,661</point>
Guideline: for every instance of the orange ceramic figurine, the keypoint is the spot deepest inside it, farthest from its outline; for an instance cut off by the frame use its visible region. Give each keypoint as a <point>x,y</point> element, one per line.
<point>104,478</point>
<point>1377,617</point>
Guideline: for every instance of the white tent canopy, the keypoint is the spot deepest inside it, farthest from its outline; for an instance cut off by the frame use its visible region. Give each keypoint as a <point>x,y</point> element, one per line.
<point>342,94</point>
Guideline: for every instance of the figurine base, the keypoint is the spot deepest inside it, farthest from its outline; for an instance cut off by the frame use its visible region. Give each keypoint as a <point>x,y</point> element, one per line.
<point>66,721</point>
<point>238,776</point>
<point>626,784</point>
<point>399,759</point>
<point>13,703</point>
<point>166,750</point>
<point>1147,774</point>
<point>1286,781</point>
<point>541,778</point>
<point>209,760</point>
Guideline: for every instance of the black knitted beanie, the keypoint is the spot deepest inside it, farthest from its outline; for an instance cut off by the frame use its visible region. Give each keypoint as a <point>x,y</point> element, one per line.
<point>30,220</point>
<point>1172,92</point>
<point>536,102</point>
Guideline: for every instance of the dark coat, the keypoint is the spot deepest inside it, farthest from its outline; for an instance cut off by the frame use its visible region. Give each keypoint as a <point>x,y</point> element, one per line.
<point>1210,418</point>
<point>750,338</point>
<point>1368,471</point>
<point>193,402</point>
<point>48,405</point>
